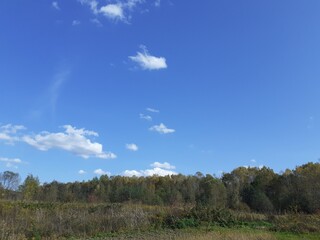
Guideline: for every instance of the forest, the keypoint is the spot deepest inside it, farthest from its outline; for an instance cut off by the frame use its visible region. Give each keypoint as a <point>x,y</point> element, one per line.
<point>249,196</point>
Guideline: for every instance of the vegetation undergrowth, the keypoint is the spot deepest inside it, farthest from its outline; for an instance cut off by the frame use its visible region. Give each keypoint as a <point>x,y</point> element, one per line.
<point>254,199</point>
<point>27,220</point>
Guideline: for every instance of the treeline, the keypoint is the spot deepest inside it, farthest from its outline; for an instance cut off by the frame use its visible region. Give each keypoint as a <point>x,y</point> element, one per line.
<point>244,189</point>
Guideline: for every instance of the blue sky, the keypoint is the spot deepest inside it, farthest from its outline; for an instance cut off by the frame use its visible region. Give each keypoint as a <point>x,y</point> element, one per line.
<point>141,87</point>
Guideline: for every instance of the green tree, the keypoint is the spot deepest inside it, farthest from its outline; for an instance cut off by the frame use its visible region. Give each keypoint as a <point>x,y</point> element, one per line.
<point>30,188</point>
<point>212,192</point>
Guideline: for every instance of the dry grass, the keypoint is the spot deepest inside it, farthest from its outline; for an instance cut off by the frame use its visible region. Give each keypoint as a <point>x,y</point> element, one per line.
<point>223,234</point>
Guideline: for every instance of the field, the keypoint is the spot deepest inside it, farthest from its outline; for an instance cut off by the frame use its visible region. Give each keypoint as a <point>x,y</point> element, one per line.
<point>215,233</point>
<point>22,221</point>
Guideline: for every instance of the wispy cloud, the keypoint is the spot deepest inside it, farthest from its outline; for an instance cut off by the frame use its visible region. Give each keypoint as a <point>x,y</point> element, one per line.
<point>81,172</point>
<point>54,91</point>
<point>157,3</point>
<point>101,172</point>
<point>145,117</point>
<point>73,140</point>
<point>9,128</point>
<point>75,22</point>
<point>93,4</point>
<point>8,133</point>
<point>148,62</point>
<point>152,110</point>
<point>162,129</point>
<point>132,3</point>
<point>132,147</point>
<point>11,162</point>
<point>48,102</point>
<point>55,5</point>
<point>96,22</point>
<point>160,169</point>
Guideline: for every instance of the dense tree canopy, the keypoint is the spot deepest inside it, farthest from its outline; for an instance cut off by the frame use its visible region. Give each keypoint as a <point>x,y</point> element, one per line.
<point>255,189</point>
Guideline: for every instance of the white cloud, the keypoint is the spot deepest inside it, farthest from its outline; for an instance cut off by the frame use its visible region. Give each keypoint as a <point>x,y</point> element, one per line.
<point>113,11</point>
<point>7,137</point>
<point>253,161</point>
<point>152,110</point>
<point>9,128</point>
<point>145,117</point>
<point>131,173</point>
<point>147,61</point>
<point>117,10</point>
<point>55,5</point>
<point>162,129</point>
<point>8,133</point>
<point>11,162</point>
<point>132,147</point>
<point>72,140</point>
<point>101,172</point>
<point>82,172</point>
<point>160,169</point>
<point>164,165</point>
<point>75,22</point>
<point>149,172</point>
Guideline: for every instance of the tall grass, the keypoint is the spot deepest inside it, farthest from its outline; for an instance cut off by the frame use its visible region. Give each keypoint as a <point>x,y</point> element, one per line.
<point>23,220</point>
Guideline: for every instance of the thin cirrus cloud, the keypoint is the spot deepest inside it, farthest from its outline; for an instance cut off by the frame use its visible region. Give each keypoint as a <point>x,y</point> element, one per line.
<point>72,140</point>
<point>145,117</point>
<point>159,169</point>
<point>162,129</point>
<point>152,110</point>
<point>148,62</point>
<point>132,147</point>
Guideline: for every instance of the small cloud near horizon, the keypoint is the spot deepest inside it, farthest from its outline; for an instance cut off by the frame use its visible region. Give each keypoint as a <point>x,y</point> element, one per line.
<point>101,172</point>
<point>159,169</point>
